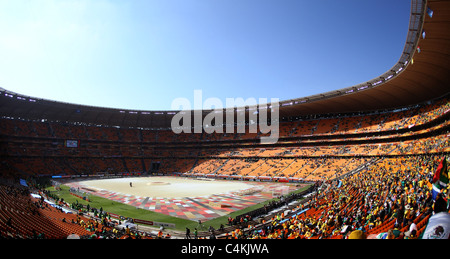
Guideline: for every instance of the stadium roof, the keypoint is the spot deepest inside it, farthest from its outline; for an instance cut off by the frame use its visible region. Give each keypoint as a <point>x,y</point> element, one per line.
<point>420,75</point>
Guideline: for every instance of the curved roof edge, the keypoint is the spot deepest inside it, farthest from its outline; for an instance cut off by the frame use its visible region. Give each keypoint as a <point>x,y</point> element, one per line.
<point>419,75</point>
<point>415,27</point>
<point>415,78</point>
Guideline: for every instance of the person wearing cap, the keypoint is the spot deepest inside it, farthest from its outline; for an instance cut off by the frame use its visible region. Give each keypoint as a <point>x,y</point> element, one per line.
<point>396,231</point>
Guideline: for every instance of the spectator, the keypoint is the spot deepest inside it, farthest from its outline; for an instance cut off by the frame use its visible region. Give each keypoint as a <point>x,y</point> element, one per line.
<point>412,227</point>
<point>188,233</point>
<point>357,234</point>
<point>438,226</point>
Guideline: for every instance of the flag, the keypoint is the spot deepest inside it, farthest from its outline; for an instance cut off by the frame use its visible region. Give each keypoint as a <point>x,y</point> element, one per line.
<point>418,49</point>
<point>430,12</point>
<point>23,182</point>
<point>435,191</point>
<point>441,173</point>
<point>424,34</point>
<point>440,178</point>
<point>438,227</point>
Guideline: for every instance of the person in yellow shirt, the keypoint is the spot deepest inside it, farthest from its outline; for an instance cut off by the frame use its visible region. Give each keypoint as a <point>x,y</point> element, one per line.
<point>309,234</point>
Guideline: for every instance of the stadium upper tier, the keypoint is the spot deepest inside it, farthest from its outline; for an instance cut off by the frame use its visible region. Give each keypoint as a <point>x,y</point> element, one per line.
<point>420,75</point>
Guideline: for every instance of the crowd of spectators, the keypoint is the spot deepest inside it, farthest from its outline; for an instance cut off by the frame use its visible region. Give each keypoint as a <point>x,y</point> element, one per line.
<point>388,200</point>
<point>391,198</point>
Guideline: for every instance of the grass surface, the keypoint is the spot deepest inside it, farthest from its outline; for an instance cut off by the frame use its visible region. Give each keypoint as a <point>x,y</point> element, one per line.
<point>133,212</point>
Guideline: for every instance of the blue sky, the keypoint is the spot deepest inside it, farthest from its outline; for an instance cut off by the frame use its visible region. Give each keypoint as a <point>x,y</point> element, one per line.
<point>142,54</point>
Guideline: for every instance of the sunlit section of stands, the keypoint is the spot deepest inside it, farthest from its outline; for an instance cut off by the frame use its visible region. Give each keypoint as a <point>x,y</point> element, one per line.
<point>313,149</point>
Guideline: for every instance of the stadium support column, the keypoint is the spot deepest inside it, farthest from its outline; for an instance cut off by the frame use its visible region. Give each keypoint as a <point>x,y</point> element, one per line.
<point>144,169</point>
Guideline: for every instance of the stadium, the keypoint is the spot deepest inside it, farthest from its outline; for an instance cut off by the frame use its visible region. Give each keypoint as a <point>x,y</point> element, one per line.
<point>355,162</point>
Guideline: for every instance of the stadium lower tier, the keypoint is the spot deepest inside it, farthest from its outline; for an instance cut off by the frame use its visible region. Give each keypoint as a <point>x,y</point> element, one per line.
<point>388,198</point>
<point>22,216</point>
